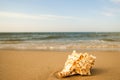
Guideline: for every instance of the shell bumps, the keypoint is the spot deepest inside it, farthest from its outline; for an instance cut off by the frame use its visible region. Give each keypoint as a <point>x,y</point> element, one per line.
<point>77,63</point>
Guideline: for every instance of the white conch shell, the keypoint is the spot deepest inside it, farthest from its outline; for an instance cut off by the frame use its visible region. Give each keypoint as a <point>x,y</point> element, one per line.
<point>77,63</point>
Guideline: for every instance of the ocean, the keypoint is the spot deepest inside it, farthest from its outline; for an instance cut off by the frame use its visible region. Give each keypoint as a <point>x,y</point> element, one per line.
<point>60,41</point>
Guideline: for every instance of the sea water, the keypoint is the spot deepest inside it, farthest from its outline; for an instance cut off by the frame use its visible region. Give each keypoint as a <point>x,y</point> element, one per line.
<point>60,41</point>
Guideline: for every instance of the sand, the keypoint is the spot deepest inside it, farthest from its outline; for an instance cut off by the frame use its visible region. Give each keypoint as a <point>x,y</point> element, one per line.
<point>43,65</point>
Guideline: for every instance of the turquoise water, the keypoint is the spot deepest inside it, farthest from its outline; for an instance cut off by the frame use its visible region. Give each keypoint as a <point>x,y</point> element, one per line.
<point>61,40</point>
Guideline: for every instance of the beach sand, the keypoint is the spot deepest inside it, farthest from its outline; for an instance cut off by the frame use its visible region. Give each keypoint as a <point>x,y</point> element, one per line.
<point>43,65</point>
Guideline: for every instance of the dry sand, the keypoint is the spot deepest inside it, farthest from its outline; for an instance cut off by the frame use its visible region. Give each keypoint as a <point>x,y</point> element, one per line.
<point>43,65</point>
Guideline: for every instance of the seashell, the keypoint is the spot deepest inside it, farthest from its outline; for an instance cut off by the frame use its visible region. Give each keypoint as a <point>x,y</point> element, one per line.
<point>77,63</point>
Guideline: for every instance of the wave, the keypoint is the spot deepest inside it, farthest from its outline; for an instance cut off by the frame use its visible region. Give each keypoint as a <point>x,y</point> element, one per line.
<point>56,35</point>
<point>78,45</point>
<point>49,37</point>
<point>11,42</point>
<point>111,40</point>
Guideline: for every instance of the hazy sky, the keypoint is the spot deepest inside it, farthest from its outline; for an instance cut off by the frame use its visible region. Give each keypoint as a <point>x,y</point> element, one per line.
<point>59,15</point>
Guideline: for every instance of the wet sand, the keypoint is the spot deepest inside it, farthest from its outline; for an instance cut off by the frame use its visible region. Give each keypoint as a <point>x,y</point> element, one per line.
<point>43,65</point>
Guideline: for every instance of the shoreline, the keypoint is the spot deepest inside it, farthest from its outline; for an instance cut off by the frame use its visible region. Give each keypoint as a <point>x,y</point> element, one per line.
<point>42,65</point>
<point>52,49</point>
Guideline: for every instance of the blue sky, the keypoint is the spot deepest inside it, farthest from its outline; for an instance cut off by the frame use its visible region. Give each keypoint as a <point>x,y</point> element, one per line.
<point>59,15</point>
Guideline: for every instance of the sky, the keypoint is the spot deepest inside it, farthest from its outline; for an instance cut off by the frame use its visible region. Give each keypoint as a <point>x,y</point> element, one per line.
<point>59,15</point>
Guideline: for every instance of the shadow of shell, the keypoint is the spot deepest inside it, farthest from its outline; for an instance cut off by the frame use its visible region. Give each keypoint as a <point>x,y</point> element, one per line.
<point>94,72</point>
